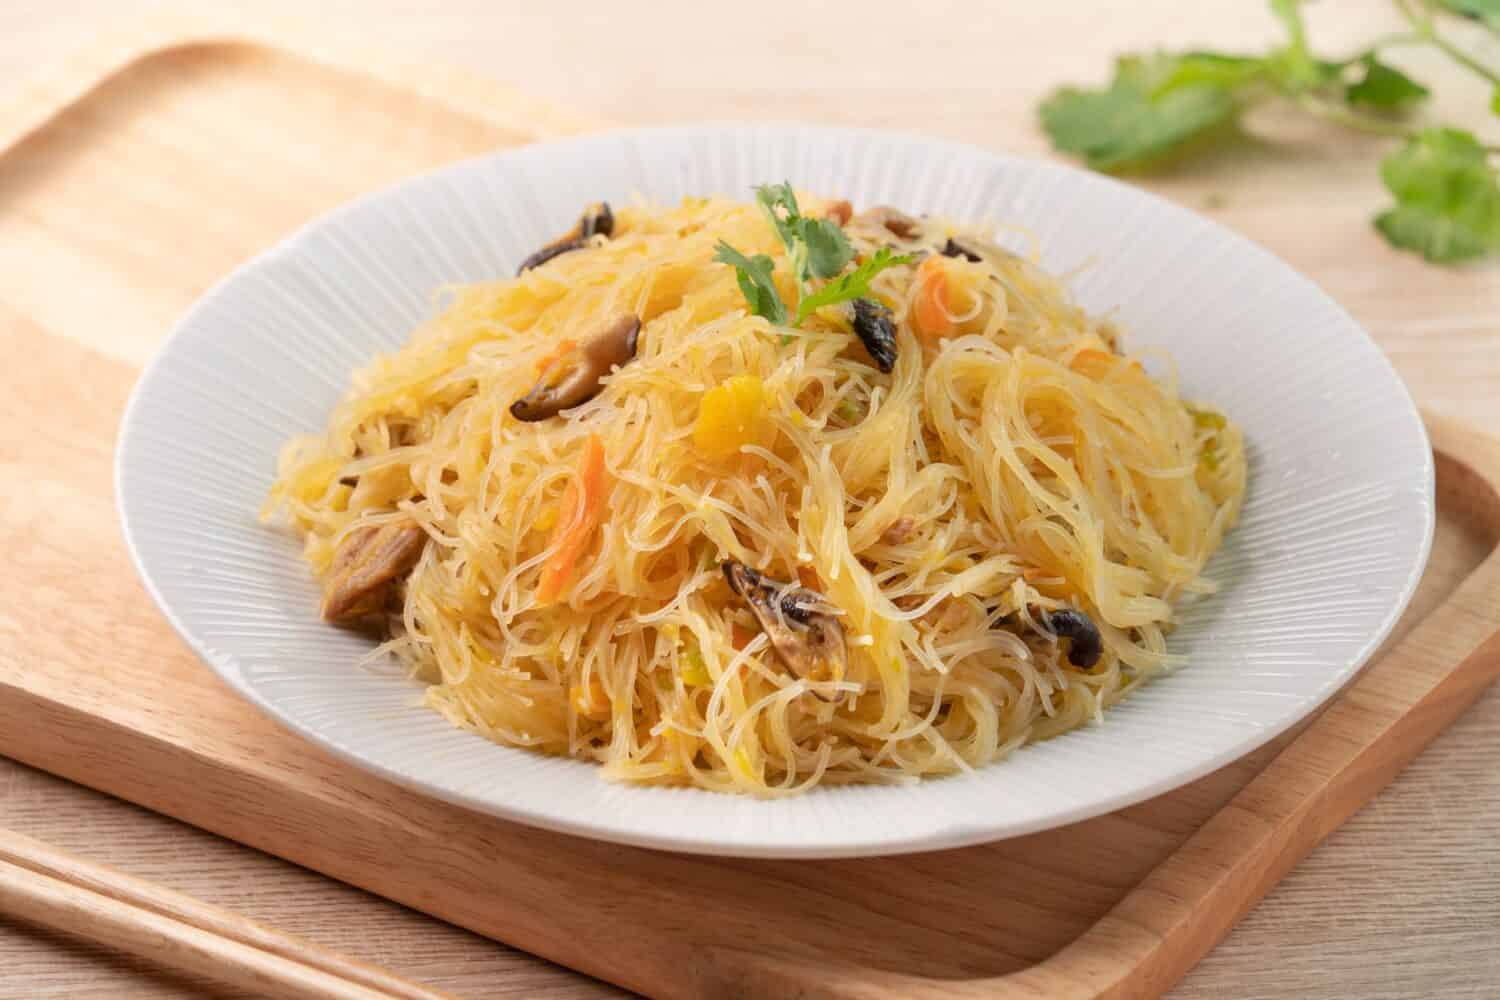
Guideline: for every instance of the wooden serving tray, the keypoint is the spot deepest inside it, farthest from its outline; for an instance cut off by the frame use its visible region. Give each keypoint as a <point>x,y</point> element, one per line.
<point>137,175</point>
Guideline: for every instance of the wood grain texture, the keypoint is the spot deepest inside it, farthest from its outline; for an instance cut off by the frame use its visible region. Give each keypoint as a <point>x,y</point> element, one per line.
<point>1310,207</point>
<point>54,889</point>
<point>50,967</point>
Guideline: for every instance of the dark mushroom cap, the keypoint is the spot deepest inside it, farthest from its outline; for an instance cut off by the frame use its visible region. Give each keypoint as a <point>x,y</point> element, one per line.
<point>972,248</point>
<point>876,329</point>
<point>366,566</point>
<point>614,345</point>
<point>549,251</point>
<point>806,636</point>
<point>597,220</point>
<point>1087,644</point>
<point>893,220</point>
<point>953,248</point>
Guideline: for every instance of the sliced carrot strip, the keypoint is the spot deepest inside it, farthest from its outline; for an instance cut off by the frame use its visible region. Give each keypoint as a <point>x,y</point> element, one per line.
<point>582,509</point>
<point>932,298</point>
<point>739,636</point>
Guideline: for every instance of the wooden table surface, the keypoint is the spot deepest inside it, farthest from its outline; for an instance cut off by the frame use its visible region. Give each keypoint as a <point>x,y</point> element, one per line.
<point>1403,902</point>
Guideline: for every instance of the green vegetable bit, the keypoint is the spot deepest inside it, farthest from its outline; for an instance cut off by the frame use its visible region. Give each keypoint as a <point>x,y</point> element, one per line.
<point>1207,419</point>
<point>1213,422</point>
<point>756,284</point>
<point>1485,11</point>
<point>828,249</point>
<point>1383,86</point>
<point>1447,200</point>
<point>779,203</point>
<point>1152,107</point>
<point>851,286</point>
<point>1292,66</point>
<point>849,411</point>
<point>816,248</point>
<point>1163,105</point>
<point>695,674</point>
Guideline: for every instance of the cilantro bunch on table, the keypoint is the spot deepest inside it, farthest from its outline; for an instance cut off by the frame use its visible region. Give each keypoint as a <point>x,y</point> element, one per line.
<point>815,248</point>
<point>1167,105</point>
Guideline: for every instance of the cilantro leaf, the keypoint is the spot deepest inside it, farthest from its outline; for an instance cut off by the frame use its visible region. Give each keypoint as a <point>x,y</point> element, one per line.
<point>815,247</point>
<point>1487,11</point>
<point>854,285</point>
<point>774,200</point>
<point>1292,66</point>
<point>1218,69</point>
<point>1447,199</point>
<point>756,284</point>
<point>1383,86</point>
<point>1145,113</point>
<point>1289,13</point>
<point>828,249</point>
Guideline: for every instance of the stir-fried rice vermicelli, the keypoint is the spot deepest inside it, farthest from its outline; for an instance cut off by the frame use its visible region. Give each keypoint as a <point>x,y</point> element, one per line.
<point>609,509</point>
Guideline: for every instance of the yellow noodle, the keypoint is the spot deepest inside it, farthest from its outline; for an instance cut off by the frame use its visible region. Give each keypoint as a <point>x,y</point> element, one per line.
<point>1015,465</point>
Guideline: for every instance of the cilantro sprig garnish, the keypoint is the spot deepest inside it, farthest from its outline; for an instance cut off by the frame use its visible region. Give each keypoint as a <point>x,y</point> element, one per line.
<point>851,286</point>
<point>1164,106</point>
<point>815,248</point>
<point>756,283</point>
<point>1486,11</point>
<point>1447,203</point>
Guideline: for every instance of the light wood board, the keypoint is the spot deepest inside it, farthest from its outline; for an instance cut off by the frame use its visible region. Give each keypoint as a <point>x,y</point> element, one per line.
<point>155,87</point>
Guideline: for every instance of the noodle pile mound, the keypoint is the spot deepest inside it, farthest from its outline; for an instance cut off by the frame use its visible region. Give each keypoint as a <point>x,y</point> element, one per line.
<point>564,587</point>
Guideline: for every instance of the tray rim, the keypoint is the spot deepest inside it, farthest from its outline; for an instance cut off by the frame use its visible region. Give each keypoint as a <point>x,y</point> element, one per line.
<point>1197,924</point>
<point>132,426</point>
<point>52,89</point>
<point>1148,947</point>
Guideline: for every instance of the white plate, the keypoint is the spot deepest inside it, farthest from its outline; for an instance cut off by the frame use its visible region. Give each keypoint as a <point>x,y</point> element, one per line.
<point>1333,539</point>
